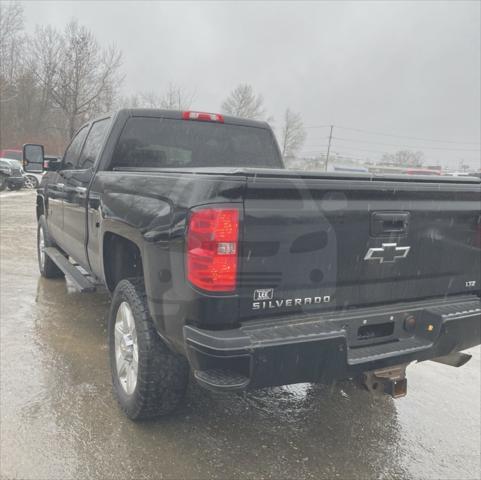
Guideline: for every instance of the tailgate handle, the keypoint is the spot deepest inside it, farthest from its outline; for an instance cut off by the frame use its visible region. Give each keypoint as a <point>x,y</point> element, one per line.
<point>387,223</point>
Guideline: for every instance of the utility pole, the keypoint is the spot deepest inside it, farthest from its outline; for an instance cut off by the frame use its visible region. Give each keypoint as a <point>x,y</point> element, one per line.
<point>329,146</point>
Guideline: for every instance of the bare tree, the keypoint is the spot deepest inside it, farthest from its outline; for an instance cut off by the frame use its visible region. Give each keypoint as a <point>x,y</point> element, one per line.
<point>12,76</point>
<point>129,101</point>
<point>403,158</point>
<point>174,98</point>
<point>242,102</point>
<point>79,76</point>
<point>293,134</point>
<point>11,42</point>
<point>149,100</point>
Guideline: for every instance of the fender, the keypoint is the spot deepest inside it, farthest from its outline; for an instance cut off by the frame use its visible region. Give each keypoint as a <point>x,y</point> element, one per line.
<point>41,202</point>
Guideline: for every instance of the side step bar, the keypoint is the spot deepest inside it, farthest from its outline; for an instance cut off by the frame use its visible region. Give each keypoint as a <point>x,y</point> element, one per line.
<point>81,282</point>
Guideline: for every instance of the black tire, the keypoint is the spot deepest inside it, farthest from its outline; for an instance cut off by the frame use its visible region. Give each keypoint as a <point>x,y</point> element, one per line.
<point>162,375</point>
<point>14,187</point>
<point>47,267</point>
<point>3,182</point>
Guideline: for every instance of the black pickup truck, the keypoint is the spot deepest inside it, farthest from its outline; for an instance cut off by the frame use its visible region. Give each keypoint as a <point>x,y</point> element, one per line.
<point>222,262</point>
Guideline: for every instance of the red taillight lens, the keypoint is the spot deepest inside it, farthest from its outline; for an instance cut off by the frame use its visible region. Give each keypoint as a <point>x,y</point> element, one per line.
<point>203,116</point>
<point>212,247</point>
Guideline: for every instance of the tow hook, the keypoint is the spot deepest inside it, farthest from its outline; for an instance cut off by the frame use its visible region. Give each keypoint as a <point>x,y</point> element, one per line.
<point>390,381</point>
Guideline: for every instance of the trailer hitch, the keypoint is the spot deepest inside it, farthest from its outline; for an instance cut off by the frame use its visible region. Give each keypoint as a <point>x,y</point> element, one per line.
<point>390,381</point>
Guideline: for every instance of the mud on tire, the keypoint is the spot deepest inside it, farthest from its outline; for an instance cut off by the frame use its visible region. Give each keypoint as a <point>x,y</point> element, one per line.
<point>162,375</point>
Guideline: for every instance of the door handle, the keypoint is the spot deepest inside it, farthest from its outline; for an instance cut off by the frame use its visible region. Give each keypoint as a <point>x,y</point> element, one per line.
<point>389,223</point>
<point>68,189</point>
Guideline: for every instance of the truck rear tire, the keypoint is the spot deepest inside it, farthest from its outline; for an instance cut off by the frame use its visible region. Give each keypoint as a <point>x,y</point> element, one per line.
<point>149,379</point>
<point>47,267</point>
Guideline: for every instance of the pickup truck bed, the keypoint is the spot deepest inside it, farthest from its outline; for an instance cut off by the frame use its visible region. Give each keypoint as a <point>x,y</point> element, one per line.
<point>264,276</point>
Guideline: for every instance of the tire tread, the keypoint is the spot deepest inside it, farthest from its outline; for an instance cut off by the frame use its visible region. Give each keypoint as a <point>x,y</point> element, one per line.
<point>162,374</point>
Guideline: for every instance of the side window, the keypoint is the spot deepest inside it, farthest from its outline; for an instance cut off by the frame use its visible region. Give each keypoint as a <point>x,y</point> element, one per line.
<point>93,144</point>
<point>71,157</point>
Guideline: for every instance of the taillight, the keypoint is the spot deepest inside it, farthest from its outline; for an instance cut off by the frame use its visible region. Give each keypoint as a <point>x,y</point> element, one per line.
<point>203,116</point>
<point>212,248</point>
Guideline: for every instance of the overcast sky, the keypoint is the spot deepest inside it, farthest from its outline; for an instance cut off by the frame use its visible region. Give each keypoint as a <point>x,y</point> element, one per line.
<point>405,68</point>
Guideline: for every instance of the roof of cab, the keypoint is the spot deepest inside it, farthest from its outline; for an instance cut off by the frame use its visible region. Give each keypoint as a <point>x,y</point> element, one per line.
<point>177,115</point>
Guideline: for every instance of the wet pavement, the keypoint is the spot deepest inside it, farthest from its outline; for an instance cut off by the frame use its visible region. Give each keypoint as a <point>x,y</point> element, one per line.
<point>59,419</point>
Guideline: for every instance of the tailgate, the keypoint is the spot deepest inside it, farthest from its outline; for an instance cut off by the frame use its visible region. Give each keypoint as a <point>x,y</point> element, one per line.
<point>313,244</point>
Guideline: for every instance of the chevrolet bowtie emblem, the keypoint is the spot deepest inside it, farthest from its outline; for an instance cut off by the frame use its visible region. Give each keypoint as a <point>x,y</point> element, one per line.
<point>388,253</point>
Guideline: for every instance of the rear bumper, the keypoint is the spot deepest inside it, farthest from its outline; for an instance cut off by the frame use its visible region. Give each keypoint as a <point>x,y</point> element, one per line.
<point>326,347</point>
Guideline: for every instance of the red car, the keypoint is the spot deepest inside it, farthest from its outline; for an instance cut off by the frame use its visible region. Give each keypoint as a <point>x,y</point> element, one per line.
<point>12,154</point>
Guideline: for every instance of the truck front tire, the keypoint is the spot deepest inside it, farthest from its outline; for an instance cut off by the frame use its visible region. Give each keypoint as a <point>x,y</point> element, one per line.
<point>47,267</point>
<point>149,379</point>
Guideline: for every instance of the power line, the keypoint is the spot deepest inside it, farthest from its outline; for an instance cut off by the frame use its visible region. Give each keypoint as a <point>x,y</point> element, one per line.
<point>408,137</point>
<point>359,149</point>
<point>419,147</point>
<point>318,126</point>
<point>370,150</point>
<point>395,135</point>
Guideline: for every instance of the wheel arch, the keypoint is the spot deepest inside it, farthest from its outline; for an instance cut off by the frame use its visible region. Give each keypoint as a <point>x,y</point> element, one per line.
<point>40,207</point>
<point>121,257</point>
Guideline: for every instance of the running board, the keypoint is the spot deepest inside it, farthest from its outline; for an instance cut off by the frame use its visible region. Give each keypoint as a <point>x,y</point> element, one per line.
<point>81,282</point>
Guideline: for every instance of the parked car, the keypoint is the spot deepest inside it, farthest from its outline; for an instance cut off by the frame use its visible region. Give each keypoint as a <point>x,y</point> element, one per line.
<point>33,179</point>
<point>221,261</point>
<point>11,153</point>
<point>11,174</point>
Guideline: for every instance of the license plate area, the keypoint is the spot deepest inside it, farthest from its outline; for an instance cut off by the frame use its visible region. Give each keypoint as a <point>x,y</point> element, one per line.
<point>376,330</point>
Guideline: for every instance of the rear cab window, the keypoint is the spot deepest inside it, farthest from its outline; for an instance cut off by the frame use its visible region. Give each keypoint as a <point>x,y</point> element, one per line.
<point>147,142</point>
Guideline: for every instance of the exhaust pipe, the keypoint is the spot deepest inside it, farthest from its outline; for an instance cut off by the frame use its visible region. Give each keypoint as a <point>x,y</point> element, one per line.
<point>455,359</point>
<point>387,381</point>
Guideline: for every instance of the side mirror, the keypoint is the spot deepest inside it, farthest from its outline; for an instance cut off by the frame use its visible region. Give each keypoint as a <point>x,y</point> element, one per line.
<point>33,158</point>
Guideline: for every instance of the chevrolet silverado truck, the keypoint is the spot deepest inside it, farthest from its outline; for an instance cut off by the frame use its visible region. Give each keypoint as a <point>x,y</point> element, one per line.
<point>223,263</point>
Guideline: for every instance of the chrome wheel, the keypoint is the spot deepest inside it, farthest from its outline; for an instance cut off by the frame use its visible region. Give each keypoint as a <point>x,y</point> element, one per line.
<point>28,183</point>
<point>34,180</point>
<point>126,348</point>
<point>41,247</point>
